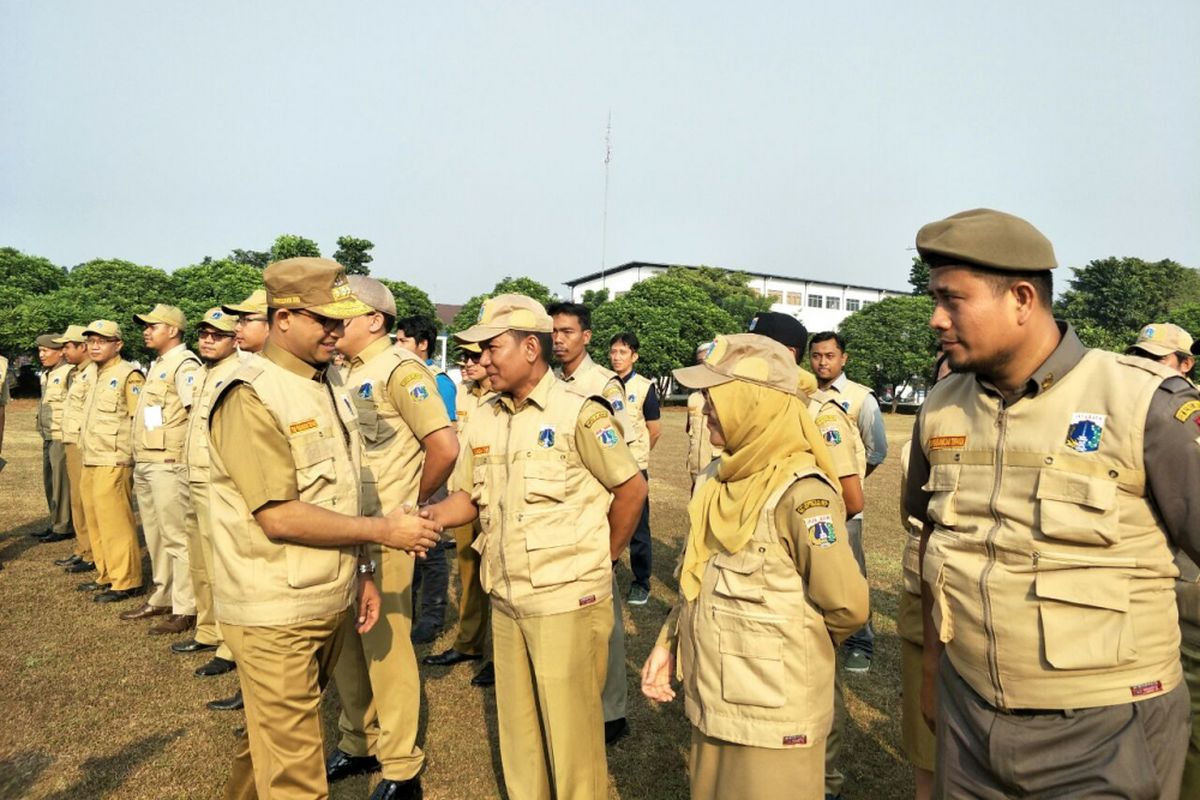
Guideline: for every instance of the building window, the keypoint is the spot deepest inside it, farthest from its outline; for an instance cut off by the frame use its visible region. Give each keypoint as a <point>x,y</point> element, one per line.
<point>833,302</point>
<point>815,301</point>
<point>775,295</point>
<point>795,299</point>
<point>866,303</point>
<point>851,305</point>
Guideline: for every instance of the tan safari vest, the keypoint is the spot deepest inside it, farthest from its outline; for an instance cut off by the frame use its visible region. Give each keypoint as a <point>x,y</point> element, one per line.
<point>54,401</point>
<point>164,443</point>
<point>635,398</point>
<point>850,396</point>
<point>1052,579</point>
<point>544,547</point>
<point>822,402</point>
<point>260,581</point>
<point>756,657</point>
<point>209,380</point>
<point>592,379</point>
<point>392,456</point>
<point>79,384</point>
<point>106,434</point>
<point>700,448</point>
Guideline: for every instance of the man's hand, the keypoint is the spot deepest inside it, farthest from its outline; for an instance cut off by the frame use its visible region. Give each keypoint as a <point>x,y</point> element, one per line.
<point>368,604</point>
<point>405,530</point>
<point>656,675</point>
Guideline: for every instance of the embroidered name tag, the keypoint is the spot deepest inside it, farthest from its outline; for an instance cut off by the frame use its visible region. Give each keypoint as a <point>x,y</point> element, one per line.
<point>807,504</point>
<point>1145,688</point>
<point>587,601</point>
<point>947,442</point>
<point>599,415</point>
<point>795,739</point>
<point>303,425</point>
<point>481,451</point>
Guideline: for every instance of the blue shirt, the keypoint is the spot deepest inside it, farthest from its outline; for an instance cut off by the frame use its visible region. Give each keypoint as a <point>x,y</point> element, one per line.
<point>447,390</point>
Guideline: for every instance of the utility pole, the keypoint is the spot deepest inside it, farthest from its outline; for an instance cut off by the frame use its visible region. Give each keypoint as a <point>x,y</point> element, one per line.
<point>604,223</point>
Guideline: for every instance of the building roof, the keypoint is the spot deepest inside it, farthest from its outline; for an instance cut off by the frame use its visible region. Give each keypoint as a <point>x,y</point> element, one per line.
<point>634,264</point>
<point>446,312</point>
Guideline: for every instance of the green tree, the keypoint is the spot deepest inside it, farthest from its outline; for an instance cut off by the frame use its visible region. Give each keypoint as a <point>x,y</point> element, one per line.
<point>410,300</point>
<point>116,289</point>
<point>198,288</point>
<point>467,316</point>
<point>1186,316</point>
<point>918,276</point>
<point>890,343</point>
<point>291,246</point>
<point>670,314</point>
<point>594,298</point>
<point>255,258</point>
<point>727,289</point>
<point>353,254</point>
<point>32,274</point>
<point>1112,298</point>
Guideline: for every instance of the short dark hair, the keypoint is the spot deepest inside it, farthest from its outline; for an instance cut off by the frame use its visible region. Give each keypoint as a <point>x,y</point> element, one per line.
<point>421,329</point>
<point>577,310</point>
<point>544,341</point>
<point>627,338</point>
<point>388,322</point>
<point>1002,281</point>
<point>826,336</point>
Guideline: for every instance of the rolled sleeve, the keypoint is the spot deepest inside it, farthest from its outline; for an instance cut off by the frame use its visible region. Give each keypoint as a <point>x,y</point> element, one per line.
<point>1172,458</point>
<point>421,413</point>
<point>255,452</point>
<point>835,431</point>
<point>601,448</point>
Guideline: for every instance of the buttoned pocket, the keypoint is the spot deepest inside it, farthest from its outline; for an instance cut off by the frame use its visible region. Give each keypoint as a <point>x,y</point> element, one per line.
<point>933,572</point>
<point>545,481</point>
<point>311,566</point>
<point>942,486</point>
<point>1077,508</point>
<point>314,459</point>
<point>368,420</point>
<point>752,668</point>
<point>1085,617</point>
<point>740,575</point>
<point>553,554</point>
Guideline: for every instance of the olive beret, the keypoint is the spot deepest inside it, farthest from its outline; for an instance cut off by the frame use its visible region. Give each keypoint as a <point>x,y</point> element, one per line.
<point>986,238</point>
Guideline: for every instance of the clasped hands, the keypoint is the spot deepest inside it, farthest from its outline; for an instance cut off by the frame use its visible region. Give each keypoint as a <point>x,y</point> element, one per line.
<point>410,528</point>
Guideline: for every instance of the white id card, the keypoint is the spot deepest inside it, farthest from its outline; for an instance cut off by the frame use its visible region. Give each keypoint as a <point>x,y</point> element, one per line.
<point>153,417</point>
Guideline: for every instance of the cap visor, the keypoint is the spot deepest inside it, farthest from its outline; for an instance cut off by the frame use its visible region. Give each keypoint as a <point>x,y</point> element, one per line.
<point>479,333</point>
<point>699,376</point>
<point>89,332</point>
<point>146,319</point>
<point>349,308</point>
<point>243,309</point>
<point>1157,350</point>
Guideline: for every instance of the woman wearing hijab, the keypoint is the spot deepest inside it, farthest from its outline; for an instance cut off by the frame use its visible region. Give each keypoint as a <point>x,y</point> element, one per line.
<point>768,586</point>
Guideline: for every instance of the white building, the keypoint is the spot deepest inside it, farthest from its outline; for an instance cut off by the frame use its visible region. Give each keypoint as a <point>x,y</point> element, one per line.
<point>820,305</point>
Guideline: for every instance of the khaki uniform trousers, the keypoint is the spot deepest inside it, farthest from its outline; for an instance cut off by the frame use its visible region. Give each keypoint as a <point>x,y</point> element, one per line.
<point>377,678</point>
<point>282,671</point>
<point>200,564</point>
<point>56,484</point>
<point>83,544</point>
<point>1134,751</point>
<point>162,495</point>
<point>721,770</point>
<point>614,698</point>
<point>108,509</point>
<point>474,608</point>
<point>1190,653</point>
<point>549,673</point>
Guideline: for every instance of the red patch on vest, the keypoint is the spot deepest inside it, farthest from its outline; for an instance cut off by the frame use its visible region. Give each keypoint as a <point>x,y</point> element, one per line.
<point>587,601</point>
<point>794,739</point>
<point>1145,688</point>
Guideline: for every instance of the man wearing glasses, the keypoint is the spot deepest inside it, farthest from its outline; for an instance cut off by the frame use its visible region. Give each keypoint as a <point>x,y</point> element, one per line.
<point>251,314</point>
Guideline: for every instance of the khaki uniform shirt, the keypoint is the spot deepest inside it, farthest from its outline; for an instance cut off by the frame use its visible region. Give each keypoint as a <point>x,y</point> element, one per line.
<point>79,384</point>
<point>53,402</point>
<point>106,433</point>
<point>596,381</point>
<point>701,451</point>
<point>208,381</point>
<point>840,435</point>
<point>637,389</point>
<point>160,423</point>
<point>540,475</point>
<point>863,410</point>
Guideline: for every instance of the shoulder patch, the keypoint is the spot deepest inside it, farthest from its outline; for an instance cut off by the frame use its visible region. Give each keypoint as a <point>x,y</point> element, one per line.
<point>814,503</point>
<point>820,530</point>
<point>419,391</point>
<point>411,377</point>
<point>594,418</point>
<point>607,436</point>
<point>303,425</point>
<point>1187,409</point>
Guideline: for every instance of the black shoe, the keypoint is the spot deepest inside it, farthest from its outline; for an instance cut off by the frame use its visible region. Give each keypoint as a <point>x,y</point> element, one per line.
<point>216,666</point>
<point>448,658</point>
<point>614,730</point>
<point>119,595</point>
<point>41,535</point>
<point>234,703</point>
<point>82,566</point>
<point>342,765</point>
<point>68,561</point>
<point>92,586</point>
<point>59,537</point>
<point>424,633</point>
<point>191,646</point>
<point>398,790</point>
<point>486,676</point>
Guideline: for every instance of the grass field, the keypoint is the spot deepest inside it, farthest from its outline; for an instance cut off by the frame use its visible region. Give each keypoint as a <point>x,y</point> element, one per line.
<point>93,707</point>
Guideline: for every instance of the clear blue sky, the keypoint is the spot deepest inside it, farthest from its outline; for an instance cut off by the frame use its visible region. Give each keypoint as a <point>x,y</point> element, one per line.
<point>467,140</point>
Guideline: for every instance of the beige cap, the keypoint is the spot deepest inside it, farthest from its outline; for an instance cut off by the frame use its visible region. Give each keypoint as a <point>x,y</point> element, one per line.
<point>74,334</point>
<point>986,238</point>
<point>165,314</point>
<point>744,357</point>
<point>256,303</point>
<point>218,319</point>
<point>373,293</point>
<point>1162,339</point>
<point>470,347</point>
<point>106,328</point>
<point>507,312</point>
<point>50,340</point>
<point>316,284</point>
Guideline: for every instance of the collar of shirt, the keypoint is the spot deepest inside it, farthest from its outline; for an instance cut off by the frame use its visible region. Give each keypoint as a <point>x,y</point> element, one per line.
<point>838,384</point>
<point>584,365</point>
<point>280,357</point>
<point>116,362</point>
<point>538,396</point>
<point>380,345</point>
<point>1064,358</point>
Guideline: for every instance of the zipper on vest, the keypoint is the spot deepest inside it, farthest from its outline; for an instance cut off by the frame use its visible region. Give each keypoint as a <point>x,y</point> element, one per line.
<point>990,546</point>
<point>504,511</point>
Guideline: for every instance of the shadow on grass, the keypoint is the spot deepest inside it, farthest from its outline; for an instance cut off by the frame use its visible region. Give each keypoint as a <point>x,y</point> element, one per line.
<point>103,775</point>
<point>18,540</point>
<point>19,771</point>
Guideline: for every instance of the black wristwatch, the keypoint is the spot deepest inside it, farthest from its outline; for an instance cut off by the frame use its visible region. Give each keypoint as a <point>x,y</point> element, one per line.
<point>366,567</point>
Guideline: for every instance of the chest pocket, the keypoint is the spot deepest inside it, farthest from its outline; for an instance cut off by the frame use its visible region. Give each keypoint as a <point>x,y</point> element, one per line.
<point>153,394</point>
<point>1077,508</point>
<point>313,456</point>
<point>942,484</point>
<point>545,481</point>
<point>740,575</point>
<point>106,417</point>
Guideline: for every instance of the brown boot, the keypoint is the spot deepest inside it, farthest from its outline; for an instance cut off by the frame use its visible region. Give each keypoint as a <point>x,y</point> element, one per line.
<point>145,612</point>
<point>176,623</point>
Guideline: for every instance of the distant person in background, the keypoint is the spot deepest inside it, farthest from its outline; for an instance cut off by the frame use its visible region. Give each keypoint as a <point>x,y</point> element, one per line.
<point>252,327</point>
<point>701,450</point>
<point>53,380</point>
<point>79,383</point>
<point>641,404</point>
<point>4,376</point>
<point>431,577</point>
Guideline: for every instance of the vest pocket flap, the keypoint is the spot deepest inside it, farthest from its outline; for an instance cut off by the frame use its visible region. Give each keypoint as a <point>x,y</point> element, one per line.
<point>942,478</point>
<point>545,480</point>
<point>308,450</point>
<point>1078,489</point>
<point>1085,587</point>
<point>311,566</point>
<point>108,402</point>
<point>912,566</point>
<point>750,644</point>
<point>743,562</point>
<point>740,576</point>
<point>543,537</point>
<point>368,420</point>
